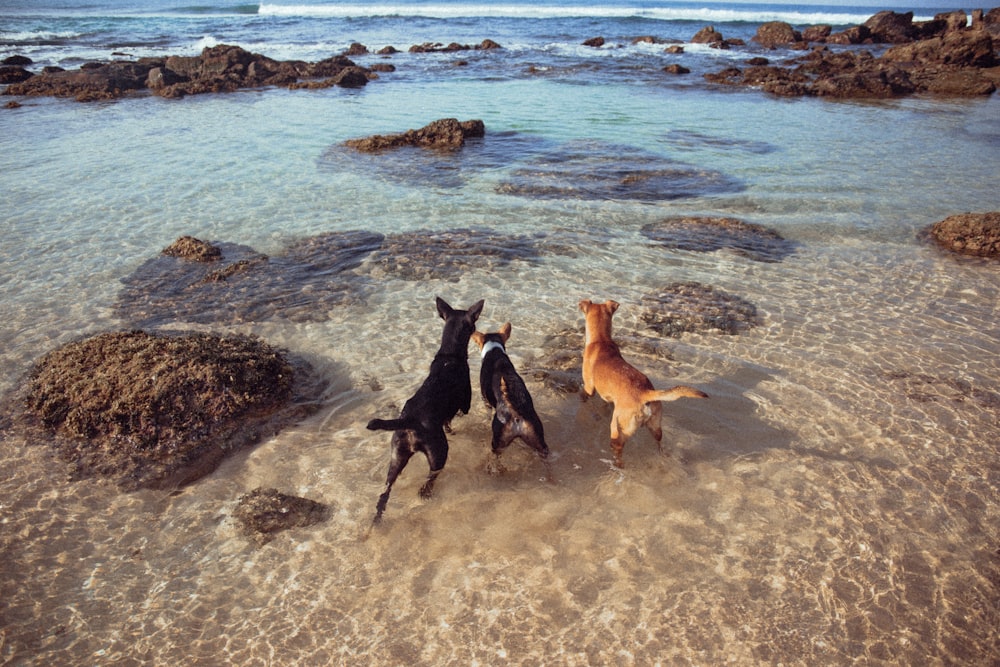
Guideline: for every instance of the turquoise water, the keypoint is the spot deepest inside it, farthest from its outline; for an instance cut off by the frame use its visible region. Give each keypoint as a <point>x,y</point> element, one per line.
<point>835,500</point>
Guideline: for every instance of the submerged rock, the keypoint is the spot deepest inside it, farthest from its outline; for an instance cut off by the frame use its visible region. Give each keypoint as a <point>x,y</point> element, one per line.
<point>596,170</point>
<point>449,254</point>
<point>687,307</point>
<point>264,512</point>
<point>303,284</point>
<point>162,410</point>
<point>447,133</point>
<point>975,234</point>
<point>708,234</point>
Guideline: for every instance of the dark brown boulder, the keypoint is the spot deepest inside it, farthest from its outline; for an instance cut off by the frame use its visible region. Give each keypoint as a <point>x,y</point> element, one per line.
<point>975,234</point>
<point>488,45</point>
<point>816,33</point>
<point>676,69</point>
<point>890,27</point>
<point>356,49</point>
<point>160,410</point>
<point>595,42</point>
<point>854,35</point>
<point>264,512</point>
<point>14,74</point>
<point>447,133</point>
<point>17,61</point>
<point>776,33</point>
<point>707,35</point>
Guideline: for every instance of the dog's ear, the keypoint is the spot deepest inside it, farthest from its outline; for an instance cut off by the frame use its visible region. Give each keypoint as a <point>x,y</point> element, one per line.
<point>444,310</point>
<point>585,305</point>
<point>480,338</point>
<point>473,313</point>
<point>612,306</point>
<point>505,332</point>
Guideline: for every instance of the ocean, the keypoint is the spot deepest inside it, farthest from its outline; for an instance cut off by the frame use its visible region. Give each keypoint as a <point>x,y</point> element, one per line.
<point>835,501</point>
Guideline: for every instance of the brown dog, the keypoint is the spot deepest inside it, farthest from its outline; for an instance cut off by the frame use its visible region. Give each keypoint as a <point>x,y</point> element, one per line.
<point>635,400</point>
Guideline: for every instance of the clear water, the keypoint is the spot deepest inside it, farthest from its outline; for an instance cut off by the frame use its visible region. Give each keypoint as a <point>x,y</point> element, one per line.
<point>835,501</point>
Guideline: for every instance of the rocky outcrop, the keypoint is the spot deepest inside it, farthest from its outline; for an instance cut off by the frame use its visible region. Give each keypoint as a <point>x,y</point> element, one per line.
<point>221,68</point>
<point>158,410</point>
<point>447,133</point>
<point>776,33</point>
<point>975,234</point>
<point>959,63</point>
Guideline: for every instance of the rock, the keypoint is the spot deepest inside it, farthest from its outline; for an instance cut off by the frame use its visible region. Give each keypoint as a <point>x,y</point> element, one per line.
<point>971,48</point>
<point>188,247</point>
<point>707,35</point>
<point>221,68</point>
<point>264,512</point>
<point>17,61</point>
<point>356,49</point>
<point>488,45</point>
<point>816,33</point>
<point>595,42</point>
<point>709,234</point>
<point>676,69</point>
<point>14,75</point>
<point>101,82</point>
<point>307,282</point>
<point>853,35</point>
<point>447,133</point>
<point>387,50</point>
<point>160,410</point>
<point>675,49</point>
<point>975,234</point>
<point>12,105</point>
<point>690,307</point>
<point>891,27</point>
<point>776,33</point>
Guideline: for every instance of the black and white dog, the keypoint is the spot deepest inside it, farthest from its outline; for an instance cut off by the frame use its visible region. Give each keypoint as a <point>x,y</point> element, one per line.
<point>446,392</point>
<point>514,413</point>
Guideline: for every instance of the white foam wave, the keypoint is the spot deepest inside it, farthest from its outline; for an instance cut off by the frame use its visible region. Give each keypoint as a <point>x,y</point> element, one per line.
<point>540,11</point>
<point>29,36</point>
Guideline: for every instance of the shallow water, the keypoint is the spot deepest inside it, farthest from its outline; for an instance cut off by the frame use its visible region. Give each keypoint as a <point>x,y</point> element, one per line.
<point>834,501</point>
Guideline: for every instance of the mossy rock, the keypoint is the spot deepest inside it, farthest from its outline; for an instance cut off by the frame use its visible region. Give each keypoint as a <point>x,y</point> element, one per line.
<point>161,410</point>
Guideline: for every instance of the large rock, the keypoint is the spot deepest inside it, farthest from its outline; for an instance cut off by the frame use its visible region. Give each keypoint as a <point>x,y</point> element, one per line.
<point>969,234</point>
<point>447,133</point>
<point>152,410</point>
<point>100,82</point>
<point>892,27</point>
<point>776,33</point>
<point>971,48</point>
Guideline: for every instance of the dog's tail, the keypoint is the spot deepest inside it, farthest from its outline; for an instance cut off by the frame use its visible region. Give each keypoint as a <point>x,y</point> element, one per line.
<point>392,424</point>
<point>672,394</point>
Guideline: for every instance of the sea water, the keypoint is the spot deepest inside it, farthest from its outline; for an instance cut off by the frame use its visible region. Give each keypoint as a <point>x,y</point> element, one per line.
<point>834,501</point>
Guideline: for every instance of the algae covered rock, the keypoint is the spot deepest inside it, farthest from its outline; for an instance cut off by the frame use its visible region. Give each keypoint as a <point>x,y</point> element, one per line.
<point>160,410</point>
<point>975,234</point>
<point>264,512</point>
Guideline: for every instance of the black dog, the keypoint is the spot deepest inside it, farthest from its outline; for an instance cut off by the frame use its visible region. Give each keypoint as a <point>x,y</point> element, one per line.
<point>446,392</point>
<point>514,413</point>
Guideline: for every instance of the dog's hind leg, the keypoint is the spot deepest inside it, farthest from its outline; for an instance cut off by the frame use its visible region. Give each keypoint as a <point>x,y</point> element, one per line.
<point>400,457</point>
<point>436,449</point>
